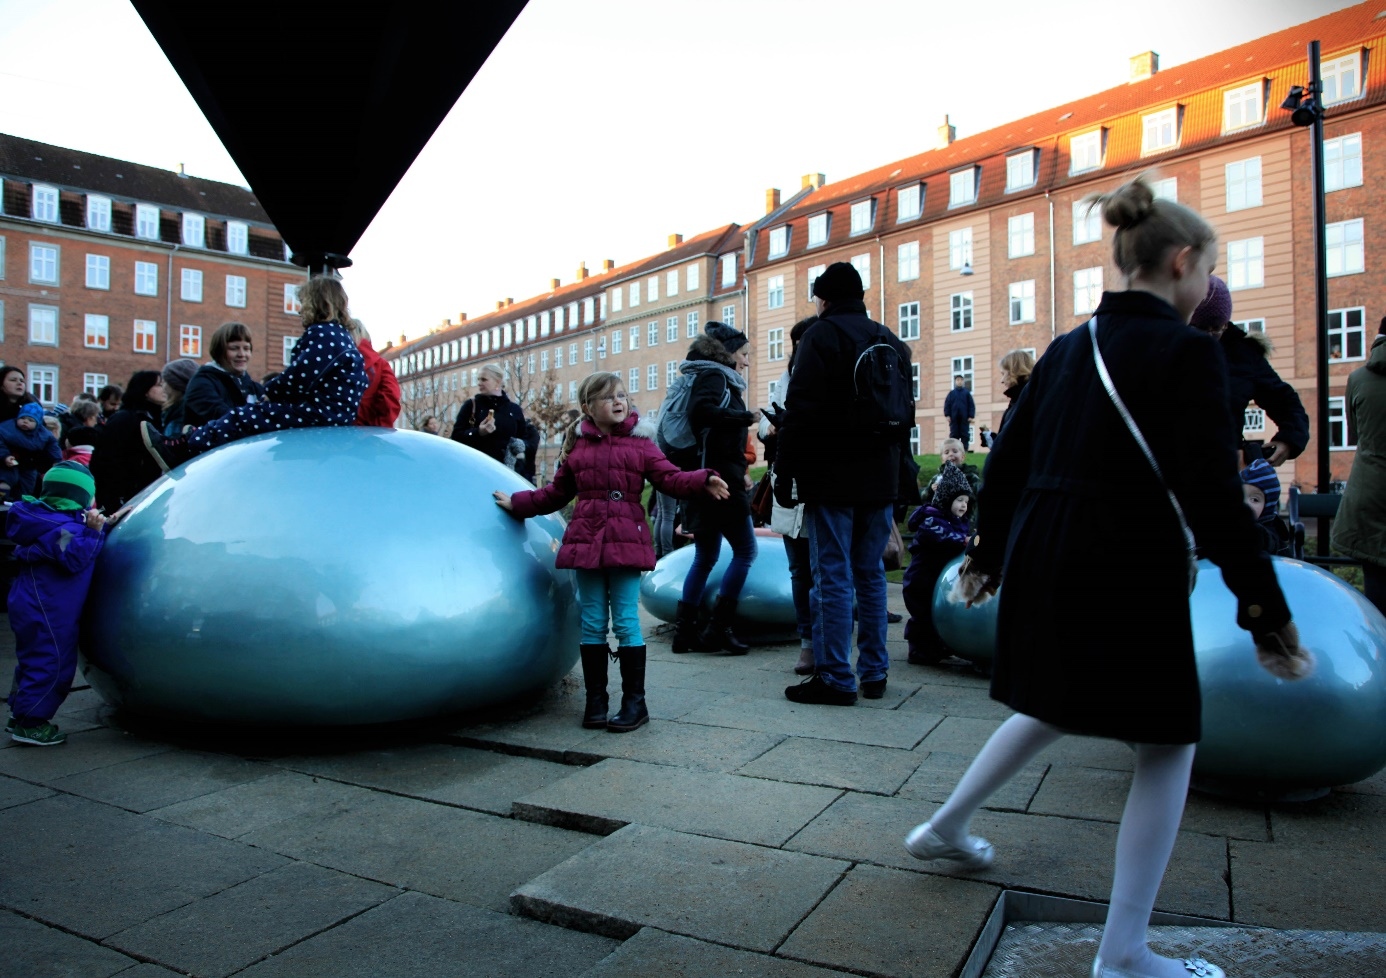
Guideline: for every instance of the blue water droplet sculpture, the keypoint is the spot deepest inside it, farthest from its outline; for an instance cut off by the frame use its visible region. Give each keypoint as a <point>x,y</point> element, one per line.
<point>766,603</point>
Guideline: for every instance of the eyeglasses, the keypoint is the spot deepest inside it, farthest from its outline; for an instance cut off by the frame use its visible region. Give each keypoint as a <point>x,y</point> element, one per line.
<point>613,398</point>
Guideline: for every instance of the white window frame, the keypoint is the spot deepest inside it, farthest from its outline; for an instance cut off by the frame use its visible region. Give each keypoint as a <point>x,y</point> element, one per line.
<point>652,293</point>
<point>966,367</point>
<point>671,282</point>
<point>728,263</point>
<point>99,272</point>
<point>652,377</point>
<point>589,311</point>
<point>1242,107</point>
<point>1087,290</point>
<point>774,344</point>
<point>652,334</point>
<point>1021,170</point>
<point>633,380</point>
<point>818,230</point>
<point>812,276</point>
<point>1349,327</point>
<point>862,263</point>
<point>147,222</point>
<point>915,382</point>
<point>1166,188</point>
<point>1338,433</point>
<point>190,285</point>
<point>146,278</point>
<point>43,382</point>
<point>194,231</point>
<point>906,262</point>
<point>292,306</point>
<point>907,321</point>
<point>671,372</point>
<point>237,237</point>
<point>42,258</point>
<point>1243,178</point>
<point>671,329</point>
<point>1246,264</point>
<point>779,241</point>
<point>44,203</point>
<point>1345,248</point>
<point>634,338</point>
<point>1160,131</point>
<point>863,216</point>
<point>190,341</point>
<point>1332,73</point>
<point>587,351</point>
<point>1022,302</point>
<point>729,315</point>
<point>1342,162</point>
<point>1086,151</point>
<point>145,329</point>
<point>693,325</point>
<point>543,361</point>
<point>1020,235</point>
<point>961,312</point>
<point>1251,326</point>
<point>572,354</point>
<point>43,325</point>
<point>909,202</point>
<point>962,187</point>
<point>959,248</point>
<point>287,351</point>
<point>92,383</point>
<point>235,291</point>
<point>98,213</point>
<point>774,292</point>
<point>618,337</point>
<point>96,331</point>
<point>1087,222</point>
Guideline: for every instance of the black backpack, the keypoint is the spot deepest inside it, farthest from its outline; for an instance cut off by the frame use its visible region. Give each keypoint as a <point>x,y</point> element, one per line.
<point>883,391</point>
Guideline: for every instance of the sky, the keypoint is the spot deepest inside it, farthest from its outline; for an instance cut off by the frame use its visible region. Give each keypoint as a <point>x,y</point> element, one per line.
<point>598,128</point>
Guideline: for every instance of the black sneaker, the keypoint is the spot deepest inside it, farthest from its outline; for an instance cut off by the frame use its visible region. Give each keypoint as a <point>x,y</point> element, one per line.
<point>873,689</point>
<point>893,618</point>
<point>168,452</point>
<point>815,690</point>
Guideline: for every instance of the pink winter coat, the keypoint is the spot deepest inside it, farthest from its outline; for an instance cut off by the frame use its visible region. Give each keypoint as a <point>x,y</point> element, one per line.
<point>607,475</point>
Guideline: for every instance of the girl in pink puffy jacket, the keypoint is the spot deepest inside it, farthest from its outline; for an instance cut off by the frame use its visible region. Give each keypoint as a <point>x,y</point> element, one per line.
<point>607,456</point>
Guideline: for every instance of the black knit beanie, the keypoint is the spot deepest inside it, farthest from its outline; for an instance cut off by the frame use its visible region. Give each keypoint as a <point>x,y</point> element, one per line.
<point>731,339</point>
<point>840,282</point>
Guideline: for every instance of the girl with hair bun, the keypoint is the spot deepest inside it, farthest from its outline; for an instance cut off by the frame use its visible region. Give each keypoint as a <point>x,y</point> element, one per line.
<point>1093,631</point>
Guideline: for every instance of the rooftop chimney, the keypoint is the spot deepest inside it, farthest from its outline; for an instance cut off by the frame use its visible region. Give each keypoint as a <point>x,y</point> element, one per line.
<point>814,180</point>
<point>581,271</point>
<point>403,339</point>
<point>182,171</point>
<point>447,322</point>
<point>461,318</point>
<point>500,303</point>
<point>509,302</point>
<point>772,200</point>
<point>608,265</point>
<point>946,134</point>
<point>675,240</point>
<point>1143,66</point>
<point>553,284</point>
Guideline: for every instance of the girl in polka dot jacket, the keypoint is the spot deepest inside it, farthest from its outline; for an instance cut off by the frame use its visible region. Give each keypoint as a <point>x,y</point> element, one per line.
<point>321,387</point>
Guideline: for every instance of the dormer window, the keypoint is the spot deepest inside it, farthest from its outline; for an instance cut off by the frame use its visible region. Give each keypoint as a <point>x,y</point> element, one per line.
<point>44,203</point>
<point>194,231</point>
<point>909,203</point>
<point>962,187</point>
<point>1342,78</point>
<point>98,213</point>
<point>237,238</point>
<point>1020,169</point>
<point>1242,107</point>
<point>863,216</point>
<point>779,241</point>
<point>817,230</point>
<point>147,221</point>
<point>1160,130</point>
<point>1085,151</point>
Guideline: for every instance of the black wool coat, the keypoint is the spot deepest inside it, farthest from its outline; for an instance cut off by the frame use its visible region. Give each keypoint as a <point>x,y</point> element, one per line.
<point>1251,378</point>
<point>722,432</point>
<point>510,423</point>
<point>120,463</point>
<point>213,392</point>
<point>1094,633</point>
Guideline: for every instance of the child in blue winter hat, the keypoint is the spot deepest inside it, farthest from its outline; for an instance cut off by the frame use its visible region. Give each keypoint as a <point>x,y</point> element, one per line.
<point>28,450</point>
<point>1261,489</point>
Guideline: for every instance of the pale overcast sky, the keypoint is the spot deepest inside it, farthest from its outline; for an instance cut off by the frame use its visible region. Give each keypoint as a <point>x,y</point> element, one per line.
<point>598,128</point>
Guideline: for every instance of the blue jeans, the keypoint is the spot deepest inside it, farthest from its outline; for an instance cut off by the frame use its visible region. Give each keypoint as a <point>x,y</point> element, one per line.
<point>665,516</point>
<point>707,547</point>
<point>796,550</point>
<point>846,546</point>
<point>618,591</point>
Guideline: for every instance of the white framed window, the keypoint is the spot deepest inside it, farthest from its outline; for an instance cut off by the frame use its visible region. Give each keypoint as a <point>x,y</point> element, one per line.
<point>1167,188</point>
<point>1342,162</point>
<point>960,311</point>
<point>862,263</point>
<point>909,203</point>
<point>635,337</point>
<point>572,391</point>
<point>1160,130</point>
<point>586,351</point>
<point>1243,184</point>
<point>907,323</point>
<point>1347,334</point>
<point>671,329</point>
<point>92,383</point>
<point>235,291</point>
<point>190,341</point>
<point>601,306</point>
<point>43,264</point>
<point>779,241</point>
<point>1087,222</point>
<point>589,311</point>
<point>43,325</point>
<point>1253,419</point>
<point>474,344</point>
<point>728,263</point>
<point>774,343</point>
<point>146,336</point>
<point>147,222</point>
<point>558,357</point>
<point>774,292</point>
<point>288,349</point>
<point>237,238</point>
<point>1246,264</point>
<point>652,334</point>
<point>863,216</point>
<point>817,230</point>
<point>729,315</point>
<point>1346,251</point>
<point>1087,290</point>
<point>962,187</point>
<point>194,231</point>
<point>1085,151</point>
<point>543,361</point>
<point>2,320</point>
<point>96,332</point>
<point>633,380</point>
<point>692,325</point>
<point>653,290</point>
<point>98,271</point>
<point>292,307</point>
<point>914,381</point>
<point>1020,170</point>
<point>1022,302</point>
<point>43,204</point>
<point>146,278</point>
<point>671,281</point>
<point>529,365</point>
<point>1342,78</point>
<point>2,239</point>
<point>906,263</point>
<point>191,290</point>
<point>914,439</point>
<point>43,383</point>
<point>812,277</point>
<point>959,248</point>
<point>1251,327</point>
<point>1338,434</point>
<point>98,213</point>
<point>617,338</point>
<point>962,367</point>
<point>531,331</point>
<point>1020,235</point>
<point>1241,107</point>
<point>671,371</point>
<point>652,377</point>
<point>572,354</point>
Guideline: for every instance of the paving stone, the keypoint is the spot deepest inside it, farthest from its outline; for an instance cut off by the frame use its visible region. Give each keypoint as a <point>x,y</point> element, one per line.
<point>615,793</point>
<point>463,776</point>
<point>80,701</point>
<point>691,745</point>
<point>551,736</point>
<point>448,852</point>
<point>956,701</point>
<point>671,702</point>
<point>15,792</point>
<point>84,751</point>
<point>1325,887</point>
<point>960,735</point>
<point>417,936</point>
<point>884,728</point>
<point>236,927</point>
<point>1355,822</point>
<point>1080,792</point>
<point>885,922</point>
<point>1375,785</point>
<point>643,876</point>
<point>938,774</point>
<point>149,971</point>
<point>1068,856</point>
<point>858,767</point>
<point>96,870</point>
<point>653,952</point>
<point>256,804</point>
<point>950,672</point>
<point>161,779</point>
<point>967,735</point>
<point>31,948</point>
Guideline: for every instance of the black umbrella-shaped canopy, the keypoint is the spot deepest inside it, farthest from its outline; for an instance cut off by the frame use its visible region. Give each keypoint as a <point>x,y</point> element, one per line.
<point>324,106</point>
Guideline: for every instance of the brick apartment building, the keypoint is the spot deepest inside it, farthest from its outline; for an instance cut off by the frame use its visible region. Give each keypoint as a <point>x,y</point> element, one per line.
<point>109,267</point>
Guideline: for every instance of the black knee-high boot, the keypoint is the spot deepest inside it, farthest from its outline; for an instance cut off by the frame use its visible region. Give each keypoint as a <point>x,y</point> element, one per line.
<point>632,713</point>
<point>718,637</point>
<point>594,680</point>
<point>686,628</point>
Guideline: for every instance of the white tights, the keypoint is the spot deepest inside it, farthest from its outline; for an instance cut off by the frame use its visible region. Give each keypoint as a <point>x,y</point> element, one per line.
<point>1149,824</point>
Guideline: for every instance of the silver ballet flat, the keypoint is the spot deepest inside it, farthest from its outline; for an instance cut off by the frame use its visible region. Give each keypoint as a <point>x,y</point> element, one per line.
<point>924,843</point>
<point>1196,967</point>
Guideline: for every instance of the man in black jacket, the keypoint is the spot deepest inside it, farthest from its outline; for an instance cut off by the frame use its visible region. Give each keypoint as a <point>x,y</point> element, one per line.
<point>848,478</point>
<point>961,411</point>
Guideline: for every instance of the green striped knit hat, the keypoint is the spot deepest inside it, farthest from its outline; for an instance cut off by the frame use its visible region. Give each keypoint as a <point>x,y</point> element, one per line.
<point>69,487</point>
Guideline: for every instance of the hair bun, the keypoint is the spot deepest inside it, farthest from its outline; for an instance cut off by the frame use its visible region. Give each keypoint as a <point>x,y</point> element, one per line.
<point>1128,205</point>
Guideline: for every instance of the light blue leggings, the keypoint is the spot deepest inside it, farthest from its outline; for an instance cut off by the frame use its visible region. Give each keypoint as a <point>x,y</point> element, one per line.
<point>613,595</point>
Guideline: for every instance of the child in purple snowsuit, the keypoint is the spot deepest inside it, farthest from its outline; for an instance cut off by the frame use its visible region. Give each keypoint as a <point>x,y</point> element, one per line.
<point>940,530</point>
<point>56,540</point>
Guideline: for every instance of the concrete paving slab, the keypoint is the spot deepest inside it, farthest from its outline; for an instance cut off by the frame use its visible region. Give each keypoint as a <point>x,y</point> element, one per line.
<point>244,808</point>
<point>448,852</point>
<point>1323,887</point>
<point>483,780</point>
<point>1356,822</point>
<point>94,870</point>
<point>691,745</point>
<point>857,767</point>
<point>950,672</point>
<point>938,774</point>
<point>967,735</point>
<point>84,751</point>
<point>552,736</point>
<point>1375,785</point>
<point>159,780</point>
<point>31,948</point>
<point>229,930</point>
<point>1080,792</point>
<point>884,728</point>
<point>15,792</point>
<point>149,971</point>
<point>80,701</point>
<point>642,876</point>
<point>615,793</point>
<point>671,702</point>
<point>653,952</point>
<point>957,701</point>
<point>885,922</point>
<point>417,936</point>
<point>960,735</point>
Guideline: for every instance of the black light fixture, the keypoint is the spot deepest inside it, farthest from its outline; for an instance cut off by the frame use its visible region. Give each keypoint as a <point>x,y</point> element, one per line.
<point>1304,108</point>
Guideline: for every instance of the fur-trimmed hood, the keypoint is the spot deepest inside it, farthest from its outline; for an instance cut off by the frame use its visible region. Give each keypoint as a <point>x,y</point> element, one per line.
<point>1258,341</point>
<point>707,355</point>
<point>707,348</point>
<point>633,426</point>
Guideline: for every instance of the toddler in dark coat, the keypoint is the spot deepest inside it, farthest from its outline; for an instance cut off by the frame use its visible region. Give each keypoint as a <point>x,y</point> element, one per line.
<point>951,452</point>
<point>940,528</point>
<point>1261,489</point>
<point>29,448</point>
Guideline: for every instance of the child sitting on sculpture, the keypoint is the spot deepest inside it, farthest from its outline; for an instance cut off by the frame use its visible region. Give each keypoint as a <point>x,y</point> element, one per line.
<point>320,388</point>
<point>29,449</point>
<point>56,539</point>
<point>607,456</point>
<point>1261,489</point>
<point>941,528</point>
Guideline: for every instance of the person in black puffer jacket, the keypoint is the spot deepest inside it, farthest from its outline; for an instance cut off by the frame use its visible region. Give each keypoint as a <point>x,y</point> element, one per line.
<point>224,384</point>
<point>717,413</point>
<point>490,421</point>
<point>120,463</point>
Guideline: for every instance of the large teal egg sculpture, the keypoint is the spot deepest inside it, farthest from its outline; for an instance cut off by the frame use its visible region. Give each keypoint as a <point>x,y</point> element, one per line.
<point>766,603</point>
<point>328,576</point>
<point>970,632</point>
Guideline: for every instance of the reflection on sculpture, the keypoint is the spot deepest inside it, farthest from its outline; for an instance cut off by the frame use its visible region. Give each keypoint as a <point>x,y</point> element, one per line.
<point>766,602</point>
